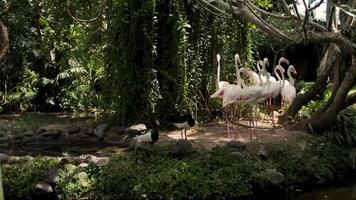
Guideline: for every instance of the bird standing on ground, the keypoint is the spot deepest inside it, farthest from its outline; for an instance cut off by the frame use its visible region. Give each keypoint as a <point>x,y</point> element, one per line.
<point>183,122</point>
<point>149,136</point>
<point>288,91</point>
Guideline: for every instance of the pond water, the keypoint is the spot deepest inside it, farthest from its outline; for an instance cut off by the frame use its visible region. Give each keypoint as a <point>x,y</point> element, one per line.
<point>330,193</point>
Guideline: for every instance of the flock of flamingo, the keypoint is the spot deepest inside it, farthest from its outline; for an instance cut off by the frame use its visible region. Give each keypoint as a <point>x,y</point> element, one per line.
<point>263,88</point>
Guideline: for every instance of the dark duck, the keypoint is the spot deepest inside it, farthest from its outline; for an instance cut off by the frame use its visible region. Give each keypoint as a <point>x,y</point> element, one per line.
<point>183,122</point>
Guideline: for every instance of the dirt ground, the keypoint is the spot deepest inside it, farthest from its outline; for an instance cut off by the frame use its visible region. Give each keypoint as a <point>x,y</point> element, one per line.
<point>211,135</point>
<point>206,136</point>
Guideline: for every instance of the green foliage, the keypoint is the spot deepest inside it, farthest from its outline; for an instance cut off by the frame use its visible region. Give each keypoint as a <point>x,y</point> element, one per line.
<point>216,174</point>
<point>75,182</point>
<point>342,130</point>
<point>313,105</point>
<point>129,59</point>
<point>19,179</point>
<point>309,160</point>
<point>219,173</point>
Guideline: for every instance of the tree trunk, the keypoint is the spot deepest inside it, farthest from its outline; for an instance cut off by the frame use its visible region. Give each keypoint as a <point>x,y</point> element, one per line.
<point>322,120</point>
<point>4,39</point>
<point>325,66</point>
<point>169,74</point>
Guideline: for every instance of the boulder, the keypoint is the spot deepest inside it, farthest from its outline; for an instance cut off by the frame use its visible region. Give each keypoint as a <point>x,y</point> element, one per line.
<point>4,139</point>
<point>238,155</point>
<point>273,176</point>
<point>18,136</point>
<point>40,131</point>
<point>181,148</point>
<point>43,188</point>
<point>236,145</point>
<point>83,165</point>
<point>3,157</point>
<point>74,130</point>
<point>88,131</point>
<point>48,133</point>
<point>52,176</point>
<point>100,161</point>
<point>99,131</point>
<point>262,152</point>
<point>29,133</point>
<point>57,134</point>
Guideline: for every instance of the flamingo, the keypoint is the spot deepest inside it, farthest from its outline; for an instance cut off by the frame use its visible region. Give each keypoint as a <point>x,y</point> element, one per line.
<point>288,91</point>
<point>274,88</point>
<point>228,90</point>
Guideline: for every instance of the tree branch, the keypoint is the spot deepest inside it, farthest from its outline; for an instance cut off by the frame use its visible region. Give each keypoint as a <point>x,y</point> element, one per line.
<point>337,38</point>
<point>84,20</point>
<point>306,18</point>
<point>316,5</point>
<point>214,8</point>
<point>4,40</point>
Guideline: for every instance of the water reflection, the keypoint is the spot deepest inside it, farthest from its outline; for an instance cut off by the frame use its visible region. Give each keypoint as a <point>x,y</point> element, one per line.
<point>330,193</point>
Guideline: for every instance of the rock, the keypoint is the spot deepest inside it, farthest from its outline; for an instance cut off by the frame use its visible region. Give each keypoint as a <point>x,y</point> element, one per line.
<point>273,176</point>
<point>100,161</point>
<point>99,131</point>
<point>135,129</point>
<point>88,131</point>
<point>83,165</point>
<point>52,176</point>
<point>262,152</point>
<point>40,131</point>
<point>116,130</point>
<point>238,155</point>
<point>181,148</point>
<point>28,158</point>
<point>48,133</point>
<point>84,136</point>
<point>56,133</point>
<point>236,145</point>
<point>3,157</point>
<point>82,175</point>
<point>74,130</point>
<point>29,133</point>
<point>5,139</point>
<point>147,147</point>
<point>43,187</point>
<point>18,136</point>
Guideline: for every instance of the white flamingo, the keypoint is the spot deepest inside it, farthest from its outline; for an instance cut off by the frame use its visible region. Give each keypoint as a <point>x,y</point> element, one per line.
<point>228,90</point>
<point>288,91</point>
<point>274,88</point>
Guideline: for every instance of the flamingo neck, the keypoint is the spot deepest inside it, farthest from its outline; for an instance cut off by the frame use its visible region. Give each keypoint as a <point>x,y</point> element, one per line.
<point>278,67</point>
<point>218,74</point>
<point>238,76</point>
<point>291,80</point>
<point>264,71</point>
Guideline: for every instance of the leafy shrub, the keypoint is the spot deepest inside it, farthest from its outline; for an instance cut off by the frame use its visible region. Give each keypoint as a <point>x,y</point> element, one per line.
<point>342,130</point>
<point>202,175</point>
<point>309,160</point>
<point>19,179</point>
<point>75,182</point>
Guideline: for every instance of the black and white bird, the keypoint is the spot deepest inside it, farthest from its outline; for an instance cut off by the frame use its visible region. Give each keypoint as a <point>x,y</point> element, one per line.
<point>183,122</point>
<point>149,136</point>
